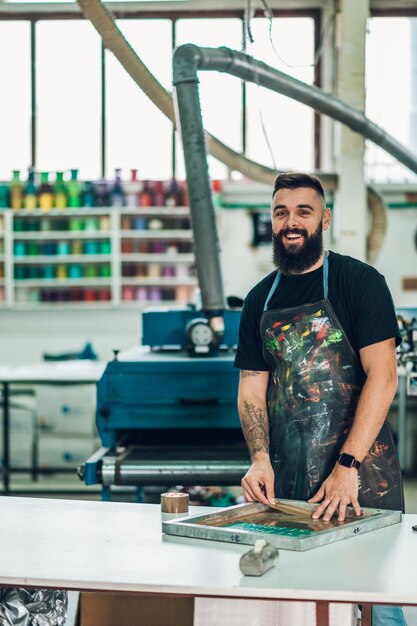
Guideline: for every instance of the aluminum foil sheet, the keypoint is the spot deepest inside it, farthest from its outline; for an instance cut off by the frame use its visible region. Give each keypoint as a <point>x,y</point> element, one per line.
<point>32,607</point>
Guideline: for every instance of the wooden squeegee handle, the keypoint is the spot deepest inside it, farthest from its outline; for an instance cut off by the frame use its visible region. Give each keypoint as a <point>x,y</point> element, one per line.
<point>292,509</point>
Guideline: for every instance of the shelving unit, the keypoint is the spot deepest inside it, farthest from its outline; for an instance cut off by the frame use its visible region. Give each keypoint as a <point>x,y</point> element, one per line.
<point>2,262</point>
<point>104,256</point>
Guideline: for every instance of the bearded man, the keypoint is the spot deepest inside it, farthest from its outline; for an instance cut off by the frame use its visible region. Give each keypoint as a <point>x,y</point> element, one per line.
<point>318,373</point>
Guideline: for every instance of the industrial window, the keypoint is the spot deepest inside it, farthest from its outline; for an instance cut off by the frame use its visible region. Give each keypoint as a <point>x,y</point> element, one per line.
<point>87,113</point>
<point>138,135</point>
<point>68,97</point>
<point>280,131</point>
<point>391,83</point>
<point>15,98</point>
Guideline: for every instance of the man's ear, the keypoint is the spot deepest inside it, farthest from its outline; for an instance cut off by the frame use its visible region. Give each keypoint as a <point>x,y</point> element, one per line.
<point>326,219</point>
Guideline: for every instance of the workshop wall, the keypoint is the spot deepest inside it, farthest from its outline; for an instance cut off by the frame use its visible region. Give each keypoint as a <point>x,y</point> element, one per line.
<point>31,333</point>
<point>398,256</point>
<point>245,264</point>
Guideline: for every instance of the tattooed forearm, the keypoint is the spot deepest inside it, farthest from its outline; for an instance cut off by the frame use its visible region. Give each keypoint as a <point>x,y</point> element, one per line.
<point>246,373</point>
<point>255,428</point>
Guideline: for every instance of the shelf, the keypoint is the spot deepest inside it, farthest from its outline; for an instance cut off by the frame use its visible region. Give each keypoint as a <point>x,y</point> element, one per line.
<point>156,234</point>
<point>68,212</point>
<point>157,258</point>
<point>46,235</point>
<point>166,211</point>
<point>96,304</point>
<point>109,229</point>
<point>144,304</point>
<point>63,282</point>
<point>179,211</point>
<point>159,281</point>
<point>63,258</point>
<point>52,306</point>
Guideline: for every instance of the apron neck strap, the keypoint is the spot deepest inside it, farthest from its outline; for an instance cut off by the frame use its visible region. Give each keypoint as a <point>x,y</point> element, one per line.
<point>326,274</point>
<point>325,281</point>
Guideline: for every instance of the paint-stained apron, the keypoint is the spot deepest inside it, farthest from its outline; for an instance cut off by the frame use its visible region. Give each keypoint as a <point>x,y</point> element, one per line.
<point>316,380</point>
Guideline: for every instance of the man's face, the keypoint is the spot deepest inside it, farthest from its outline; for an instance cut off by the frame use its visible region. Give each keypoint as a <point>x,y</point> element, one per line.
<point>298,219</point>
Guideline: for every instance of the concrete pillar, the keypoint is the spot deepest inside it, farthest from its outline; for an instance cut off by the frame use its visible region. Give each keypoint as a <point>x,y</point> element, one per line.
<point>350,213</point>
<point>413,90</point>
<point>327,70</point>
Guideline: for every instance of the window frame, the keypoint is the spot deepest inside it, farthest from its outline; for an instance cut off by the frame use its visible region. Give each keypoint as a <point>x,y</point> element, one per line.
<point>38,13</point>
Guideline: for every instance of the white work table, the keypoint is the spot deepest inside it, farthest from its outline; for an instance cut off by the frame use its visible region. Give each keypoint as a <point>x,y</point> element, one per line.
<point>71,372</point>
<point>83,545</point>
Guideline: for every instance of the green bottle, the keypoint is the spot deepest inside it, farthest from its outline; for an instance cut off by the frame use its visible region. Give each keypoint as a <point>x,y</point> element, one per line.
<point>60,191</point>
<point>4,197</point>
<point>74,190</point>
<point>16,191</point>
<point>45,193</point>
<point>30,196</point>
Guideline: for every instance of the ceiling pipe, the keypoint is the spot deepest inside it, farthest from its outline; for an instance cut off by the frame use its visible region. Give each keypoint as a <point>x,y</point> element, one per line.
<point>104,22</point>
<point>189,58</point>
<point>113,40</point>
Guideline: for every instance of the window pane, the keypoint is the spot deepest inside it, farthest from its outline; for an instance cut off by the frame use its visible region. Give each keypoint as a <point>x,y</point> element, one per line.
<point>138,134</point>
<point>68,95</point>
<point>15,100</point>
<point>388,94</point>
<point>287,125</point>
<point>220,94</point>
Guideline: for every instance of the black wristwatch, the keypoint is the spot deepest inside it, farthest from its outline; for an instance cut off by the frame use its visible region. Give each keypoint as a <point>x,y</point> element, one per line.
<point>347,460</point>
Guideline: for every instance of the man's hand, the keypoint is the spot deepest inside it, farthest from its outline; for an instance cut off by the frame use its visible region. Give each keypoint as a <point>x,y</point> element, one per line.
<point>337,492</point>
<point>258,482</point>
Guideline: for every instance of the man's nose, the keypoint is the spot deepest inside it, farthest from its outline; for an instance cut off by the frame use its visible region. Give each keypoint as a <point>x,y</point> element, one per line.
<point>292,220</point>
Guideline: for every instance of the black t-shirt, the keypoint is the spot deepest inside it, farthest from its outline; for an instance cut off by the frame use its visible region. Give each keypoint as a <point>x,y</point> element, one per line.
<point>358,294</point>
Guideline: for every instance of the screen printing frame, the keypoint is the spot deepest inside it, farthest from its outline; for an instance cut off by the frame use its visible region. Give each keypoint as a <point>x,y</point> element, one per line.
<point>198,526</point>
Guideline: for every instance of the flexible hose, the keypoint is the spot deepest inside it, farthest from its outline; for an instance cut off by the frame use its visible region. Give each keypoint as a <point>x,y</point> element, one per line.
<point>104,22</point>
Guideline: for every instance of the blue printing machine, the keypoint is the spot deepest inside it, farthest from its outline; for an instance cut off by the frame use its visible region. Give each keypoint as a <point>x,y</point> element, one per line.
<point>168,418</point>
<point>165,417</point>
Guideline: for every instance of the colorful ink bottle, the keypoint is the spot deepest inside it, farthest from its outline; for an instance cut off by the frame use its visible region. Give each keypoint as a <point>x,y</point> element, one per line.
<point>45,193</point>
<point>30,195</point>
<point>60,191</point>
<point>117,194</point>
<point>146,195</point>
<point>16,191</point>
<point>103,193</point>
<point>132,190</point>
<point>88,194</point>
<point>159,193</point>
<point>172,193</point>
<point>4,197</point>
<point>74,190</point>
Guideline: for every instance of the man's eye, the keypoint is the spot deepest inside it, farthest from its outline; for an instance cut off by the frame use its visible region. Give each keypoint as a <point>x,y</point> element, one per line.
<point>279,213</point>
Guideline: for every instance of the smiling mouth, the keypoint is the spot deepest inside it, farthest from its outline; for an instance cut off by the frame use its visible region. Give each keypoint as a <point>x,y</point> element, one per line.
<point>293,237</point>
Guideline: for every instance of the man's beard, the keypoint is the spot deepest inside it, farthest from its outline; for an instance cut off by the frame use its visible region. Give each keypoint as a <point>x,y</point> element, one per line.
<point>296,259</point>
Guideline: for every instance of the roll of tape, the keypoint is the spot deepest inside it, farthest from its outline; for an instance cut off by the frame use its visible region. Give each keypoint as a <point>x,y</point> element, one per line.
<point>174,502</point>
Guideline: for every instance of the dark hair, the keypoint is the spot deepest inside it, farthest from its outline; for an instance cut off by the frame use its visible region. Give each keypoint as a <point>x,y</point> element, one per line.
<point>294,180</point>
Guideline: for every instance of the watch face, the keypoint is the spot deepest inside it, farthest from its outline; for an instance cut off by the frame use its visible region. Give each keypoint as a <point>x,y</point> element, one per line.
<point>346,459</point>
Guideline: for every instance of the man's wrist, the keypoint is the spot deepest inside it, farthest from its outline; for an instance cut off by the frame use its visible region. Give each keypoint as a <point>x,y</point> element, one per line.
<point>260,456</point>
